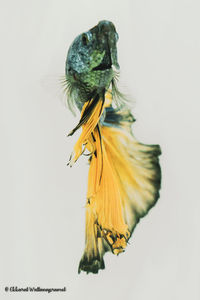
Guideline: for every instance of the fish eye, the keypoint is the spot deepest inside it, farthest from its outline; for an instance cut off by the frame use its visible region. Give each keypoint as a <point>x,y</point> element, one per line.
<point>85,39</point>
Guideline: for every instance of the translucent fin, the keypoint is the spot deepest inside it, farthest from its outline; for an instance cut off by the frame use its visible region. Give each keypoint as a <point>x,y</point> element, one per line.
<point>92,259</point>
<point>137,172</point>
<point>90,116</point>
<point>123,181</point>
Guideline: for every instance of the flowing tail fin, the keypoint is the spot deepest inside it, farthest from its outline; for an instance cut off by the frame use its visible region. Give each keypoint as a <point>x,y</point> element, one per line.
<point>123,182</point>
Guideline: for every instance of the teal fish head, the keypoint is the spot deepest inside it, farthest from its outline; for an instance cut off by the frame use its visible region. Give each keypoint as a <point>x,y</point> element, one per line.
<point>91,60</point>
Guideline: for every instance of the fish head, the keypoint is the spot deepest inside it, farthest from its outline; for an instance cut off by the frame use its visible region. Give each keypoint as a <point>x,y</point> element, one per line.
<point>91,58</point>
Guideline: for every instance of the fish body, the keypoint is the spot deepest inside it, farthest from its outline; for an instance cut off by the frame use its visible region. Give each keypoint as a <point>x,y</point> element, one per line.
<point>124,176</point>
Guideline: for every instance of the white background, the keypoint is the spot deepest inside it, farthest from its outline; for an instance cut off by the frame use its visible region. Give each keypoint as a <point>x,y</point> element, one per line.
<point>42,200</point>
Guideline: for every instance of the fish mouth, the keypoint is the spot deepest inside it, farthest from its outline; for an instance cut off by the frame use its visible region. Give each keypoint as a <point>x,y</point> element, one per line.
<point>106,37</point>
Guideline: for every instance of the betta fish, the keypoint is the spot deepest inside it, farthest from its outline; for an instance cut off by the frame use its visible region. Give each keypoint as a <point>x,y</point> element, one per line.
<point>124,175</point>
